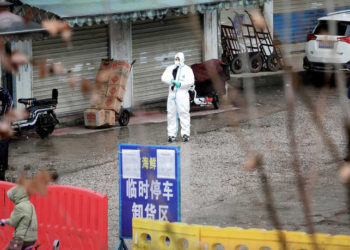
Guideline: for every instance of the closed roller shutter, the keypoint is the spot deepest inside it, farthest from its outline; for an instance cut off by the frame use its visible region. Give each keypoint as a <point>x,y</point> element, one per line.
<point>293,20</point>
<point>89,46</point>
<point>283,6</point>
<point>154,45</point>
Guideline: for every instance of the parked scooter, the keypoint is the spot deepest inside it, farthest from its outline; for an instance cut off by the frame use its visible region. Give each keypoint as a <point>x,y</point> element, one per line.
<point>203,92</point>
<point>41,117</point>
<point>203,101</point>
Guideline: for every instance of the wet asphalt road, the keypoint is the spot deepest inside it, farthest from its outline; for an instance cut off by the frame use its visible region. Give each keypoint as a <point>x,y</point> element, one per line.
<point>215,189</point>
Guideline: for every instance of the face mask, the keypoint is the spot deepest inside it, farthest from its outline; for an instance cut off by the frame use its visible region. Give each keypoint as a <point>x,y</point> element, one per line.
<point>177,63</point>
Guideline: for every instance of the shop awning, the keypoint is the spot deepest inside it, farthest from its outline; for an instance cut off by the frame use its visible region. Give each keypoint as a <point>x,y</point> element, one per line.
<point>80,12</point>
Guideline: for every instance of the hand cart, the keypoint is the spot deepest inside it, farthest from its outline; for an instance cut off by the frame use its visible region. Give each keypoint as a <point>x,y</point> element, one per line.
<point>271,53</point>
<point>123,116</point>
<point>231,49</point>
<point>248,36</point>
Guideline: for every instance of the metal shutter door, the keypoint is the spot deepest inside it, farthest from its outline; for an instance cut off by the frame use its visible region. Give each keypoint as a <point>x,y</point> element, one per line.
<point>283,6</point>
<point>154,45</point>
<point>89,46</point>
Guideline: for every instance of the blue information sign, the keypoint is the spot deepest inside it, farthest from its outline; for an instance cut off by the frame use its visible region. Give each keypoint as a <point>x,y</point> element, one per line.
<point>149,184</point>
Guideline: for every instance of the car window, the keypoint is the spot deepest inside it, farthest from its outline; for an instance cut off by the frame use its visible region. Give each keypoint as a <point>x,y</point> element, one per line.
<point>325,28</point>
<point>347,32</point>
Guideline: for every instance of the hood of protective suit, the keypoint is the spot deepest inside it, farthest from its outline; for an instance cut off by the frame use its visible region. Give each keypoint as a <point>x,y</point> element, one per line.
<point>181,56</point>
<point>17,194</point>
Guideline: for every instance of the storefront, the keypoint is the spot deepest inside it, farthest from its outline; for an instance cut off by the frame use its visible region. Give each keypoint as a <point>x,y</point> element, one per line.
<point>150,33</point>
<point>154,45</point>
<point>81,62</point>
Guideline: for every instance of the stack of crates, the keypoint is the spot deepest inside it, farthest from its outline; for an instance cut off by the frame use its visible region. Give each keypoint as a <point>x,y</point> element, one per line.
<point>111,94</point>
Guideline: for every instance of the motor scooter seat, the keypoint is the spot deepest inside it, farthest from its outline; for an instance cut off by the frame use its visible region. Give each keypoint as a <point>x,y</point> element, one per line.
<point>26,101</point>
<point>48,101</point>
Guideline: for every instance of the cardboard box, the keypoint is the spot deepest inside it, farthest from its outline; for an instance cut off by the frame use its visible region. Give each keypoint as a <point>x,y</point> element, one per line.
<point>120,73</point>
<point>110,89</point>
<point>113,72</point>
<point>106,64</point>
<point>98,95</point>
<point>116,90</point>
<point>102,87</point>
<point>94,117</point>
<point>103,76</point>
<point>121,66</point>
<point>118,78</point>
<point>115,66</point>
<point>110,117</point>
<point>121,93</point>
<point>111,103</point>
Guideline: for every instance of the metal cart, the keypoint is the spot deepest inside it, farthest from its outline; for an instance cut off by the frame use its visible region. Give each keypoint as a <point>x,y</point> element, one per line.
<point>232,50</point>
<point>123,116</point>
<point>271,53</point>
<point>253,58</point>
<point>241,47</point>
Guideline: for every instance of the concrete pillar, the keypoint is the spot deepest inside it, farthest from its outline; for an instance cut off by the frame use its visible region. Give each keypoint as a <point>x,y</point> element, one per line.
<point>121,49</point>
<point>23,81</point>
<point>210,35</point>
<point>268,13</point>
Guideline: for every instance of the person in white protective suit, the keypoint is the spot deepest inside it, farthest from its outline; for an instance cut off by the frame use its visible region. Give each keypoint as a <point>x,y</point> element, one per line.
<point>180,78</point>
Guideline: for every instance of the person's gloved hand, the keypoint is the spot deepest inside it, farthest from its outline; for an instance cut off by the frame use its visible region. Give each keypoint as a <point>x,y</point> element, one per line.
<point>177,84</point>
<point>2,222</point>
<point>172,84</point>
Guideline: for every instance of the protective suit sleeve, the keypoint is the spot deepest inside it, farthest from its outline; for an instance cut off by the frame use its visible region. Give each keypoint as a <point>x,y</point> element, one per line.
<point>167,76</point>
<point>15,217</point>
<point>188,81</point>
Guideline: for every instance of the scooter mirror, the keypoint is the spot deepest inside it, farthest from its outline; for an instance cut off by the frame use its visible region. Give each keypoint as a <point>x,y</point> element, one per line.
<point>54,94</point>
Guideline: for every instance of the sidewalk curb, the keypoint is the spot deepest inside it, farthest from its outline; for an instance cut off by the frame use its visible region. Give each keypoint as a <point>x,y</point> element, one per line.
<point>261,79</point>
<point>139,118</point>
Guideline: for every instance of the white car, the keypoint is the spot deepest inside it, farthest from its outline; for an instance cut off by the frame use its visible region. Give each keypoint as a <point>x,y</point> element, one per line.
<point>328,46</point>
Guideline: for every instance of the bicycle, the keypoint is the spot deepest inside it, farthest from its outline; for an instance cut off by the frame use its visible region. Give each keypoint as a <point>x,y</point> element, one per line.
<point>55,245</point>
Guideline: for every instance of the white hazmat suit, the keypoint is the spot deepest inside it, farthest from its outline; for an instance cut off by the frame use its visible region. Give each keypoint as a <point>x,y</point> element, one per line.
<point>178,98</point>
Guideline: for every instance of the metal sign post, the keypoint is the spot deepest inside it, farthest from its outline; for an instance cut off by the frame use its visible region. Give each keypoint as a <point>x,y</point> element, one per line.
<point>149,184</point>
